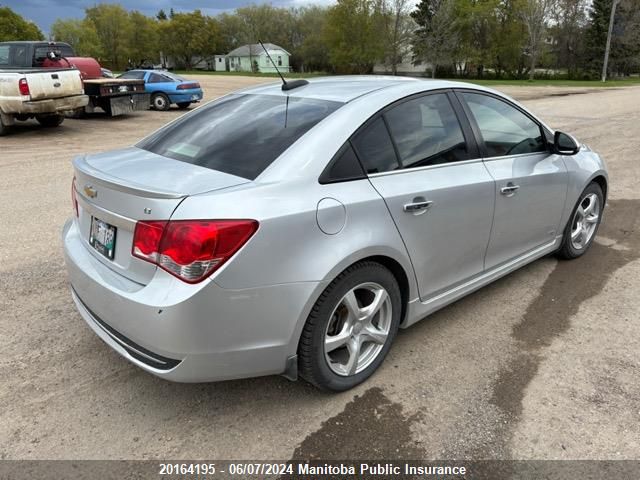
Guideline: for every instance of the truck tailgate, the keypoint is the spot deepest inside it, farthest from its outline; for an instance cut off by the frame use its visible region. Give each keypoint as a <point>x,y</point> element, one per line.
<point>47,84</point>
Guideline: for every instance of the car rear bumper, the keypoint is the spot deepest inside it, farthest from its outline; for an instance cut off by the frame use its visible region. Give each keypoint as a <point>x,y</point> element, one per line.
<point>185,96</point>
<point>54,105</point>
<point>186,333</point>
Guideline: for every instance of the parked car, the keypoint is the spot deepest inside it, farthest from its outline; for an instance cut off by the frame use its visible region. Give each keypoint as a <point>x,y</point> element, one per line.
<point>167,88</point>
<point>45,95</point>
<point>114,97</point>
<point>293,231</point>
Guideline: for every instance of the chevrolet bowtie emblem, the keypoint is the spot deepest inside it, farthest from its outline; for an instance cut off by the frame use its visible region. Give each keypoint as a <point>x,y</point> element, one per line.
<point>90,191</point>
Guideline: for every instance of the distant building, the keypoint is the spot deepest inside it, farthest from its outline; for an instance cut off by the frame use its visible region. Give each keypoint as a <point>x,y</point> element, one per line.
<point>248,58</point>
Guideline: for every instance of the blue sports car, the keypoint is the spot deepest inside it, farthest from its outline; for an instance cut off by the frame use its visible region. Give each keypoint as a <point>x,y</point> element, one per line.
<point>166,88</point>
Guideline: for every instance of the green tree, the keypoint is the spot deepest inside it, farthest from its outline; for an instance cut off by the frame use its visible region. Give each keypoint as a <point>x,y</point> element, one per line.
<point>625,40</point>
<point>568,32</point>
<point>80,34</point>
<point>509,40</point>
<point>143,40</point>
<point>437,38</point>
<point>113,27</point>
<point>14,27</point>
<point>399,30</point>
<point>352,36</point>
<point>189,37</point>
<point>311,55</point>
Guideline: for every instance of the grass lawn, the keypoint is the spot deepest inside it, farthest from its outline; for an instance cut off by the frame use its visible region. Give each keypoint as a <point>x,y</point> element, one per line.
<point>489,83</point>
<point>247,74</point>
<point>555,83</point>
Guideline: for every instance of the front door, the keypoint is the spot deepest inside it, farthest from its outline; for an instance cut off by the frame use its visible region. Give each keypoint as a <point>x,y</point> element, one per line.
<point>437,190</point>
<point>531,182</point>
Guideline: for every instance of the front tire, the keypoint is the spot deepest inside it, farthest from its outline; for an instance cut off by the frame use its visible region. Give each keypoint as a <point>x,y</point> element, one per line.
<point>583,223</point>
<point>160,102</point>
<point>50,120</point>
<point>350,328</point>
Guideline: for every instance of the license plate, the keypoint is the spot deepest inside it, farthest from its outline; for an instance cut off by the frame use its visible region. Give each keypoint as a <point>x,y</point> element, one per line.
<point>194,97</point>
<point>103,237</point>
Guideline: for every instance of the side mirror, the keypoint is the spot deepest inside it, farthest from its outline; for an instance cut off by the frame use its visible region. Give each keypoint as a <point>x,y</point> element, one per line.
<point>565,144</point>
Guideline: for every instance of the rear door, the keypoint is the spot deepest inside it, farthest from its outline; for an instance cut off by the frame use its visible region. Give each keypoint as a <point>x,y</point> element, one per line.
<point>425,164</point>
<point>531,182</point>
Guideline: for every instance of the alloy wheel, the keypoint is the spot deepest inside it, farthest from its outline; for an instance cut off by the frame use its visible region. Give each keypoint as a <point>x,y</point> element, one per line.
<point>358,329</point>
<point>585,221</point>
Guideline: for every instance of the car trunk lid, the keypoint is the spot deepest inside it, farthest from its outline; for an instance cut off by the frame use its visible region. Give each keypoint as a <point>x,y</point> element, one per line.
<point>117,189</point>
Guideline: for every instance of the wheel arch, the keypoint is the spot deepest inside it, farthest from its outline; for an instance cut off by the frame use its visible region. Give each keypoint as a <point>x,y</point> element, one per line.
<point>602,182</point>
<point>402,272</point>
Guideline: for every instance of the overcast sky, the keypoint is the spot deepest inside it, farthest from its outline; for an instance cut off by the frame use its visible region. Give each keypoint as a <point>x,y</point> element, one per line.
<point>45,12</point>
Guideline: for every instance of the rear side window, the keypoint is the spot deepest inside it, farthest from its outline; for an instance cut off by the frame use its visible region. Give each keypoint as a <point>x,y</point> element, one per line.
<point>239,134</point>
<point>40,53</point>
<point>157,78</point>
<point>426,131</point>
<point>505,129</point>
<point>344,167</point>
<point>375,149</point>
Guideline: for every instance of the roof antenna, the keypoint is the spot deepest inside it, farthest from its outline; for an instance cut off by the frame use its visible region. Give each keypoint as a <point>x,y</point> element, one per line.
<point>285,85</point>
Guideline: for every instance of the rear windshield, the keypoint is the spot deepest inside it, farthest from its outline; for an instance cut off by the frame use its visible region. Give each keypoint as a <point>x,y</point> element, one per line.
<point>239,134</point>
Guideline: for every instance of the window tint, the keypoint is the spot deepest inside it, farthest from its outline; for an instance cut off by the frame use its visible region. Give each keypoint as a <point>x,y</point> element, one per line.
<point>20,55</point>
<point>239,134</point>
<point>133,74</point>
<point>40,53</point>
<point>375,149</point>
<point>344,167</point>
<point>157,78</point>
<point>426,131</point>
<point>505,129</point>
<point>4,54</point>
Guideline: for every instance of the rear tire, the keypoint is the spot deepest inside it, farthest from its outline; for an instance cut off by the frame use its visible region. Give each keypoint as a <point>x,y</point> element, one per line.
<point>50,121</point>
<point>583,224</point>
<point>160,102</point>
<point>183,105</point>
<point>350,328</point>
<point>3,128</point>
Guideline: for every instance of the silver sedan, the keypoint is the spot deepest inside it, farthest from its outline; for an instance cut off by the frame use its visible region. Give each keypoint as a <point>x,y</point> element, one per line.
<point>293,230</point>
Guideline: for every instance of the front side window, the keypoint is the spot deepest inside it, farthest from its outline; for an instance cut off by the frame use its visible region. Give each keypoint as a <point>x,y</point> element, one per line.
<point>239,134</point>
<point>426,131</point>
<point>505,129</point>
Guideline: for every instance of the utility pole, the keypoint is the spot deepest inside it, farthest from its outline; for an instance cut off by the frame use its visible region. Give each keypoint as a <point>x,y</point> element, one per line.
<point>608,47</point>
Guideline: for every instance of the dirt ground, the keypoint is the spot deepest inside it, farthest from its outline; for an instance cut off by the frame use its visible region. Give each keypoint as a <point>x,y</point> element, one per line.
<point>542,364</point>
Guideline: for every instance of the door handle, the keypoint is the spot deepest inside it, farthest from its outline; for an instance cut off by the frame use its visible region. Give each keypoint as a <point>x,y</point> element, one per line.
<point>417,207</point>
<point>509,190</point>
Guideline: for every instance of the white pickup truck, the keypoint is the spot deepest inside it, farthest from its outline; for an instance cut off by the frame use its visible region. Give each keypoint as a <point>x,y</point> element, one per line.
<point>43,94</point>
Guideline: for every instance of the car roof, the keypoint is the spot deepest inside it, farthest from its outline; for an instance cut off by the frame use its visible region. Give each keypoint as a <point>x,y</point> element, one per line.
<point>347,88</point>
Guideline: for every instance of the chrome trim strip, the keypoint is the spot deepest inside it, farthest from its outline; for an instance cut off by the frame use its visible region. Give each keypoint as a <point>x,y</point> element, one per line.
<point>530,154</point>
<point>427,167</point>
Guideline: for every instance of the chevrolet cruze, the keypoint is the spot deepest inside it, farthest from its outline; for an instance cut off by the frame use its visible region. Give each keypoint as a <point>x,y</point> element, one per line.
<point>292,230</point>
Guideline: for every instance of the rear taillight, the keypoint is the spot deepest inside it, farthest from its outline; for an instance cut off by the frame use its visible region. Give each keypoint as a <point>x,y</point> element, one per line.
<point>23,86</point>
<point>188,86</point>
<point>74,198</point>
<point>191,249</point>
